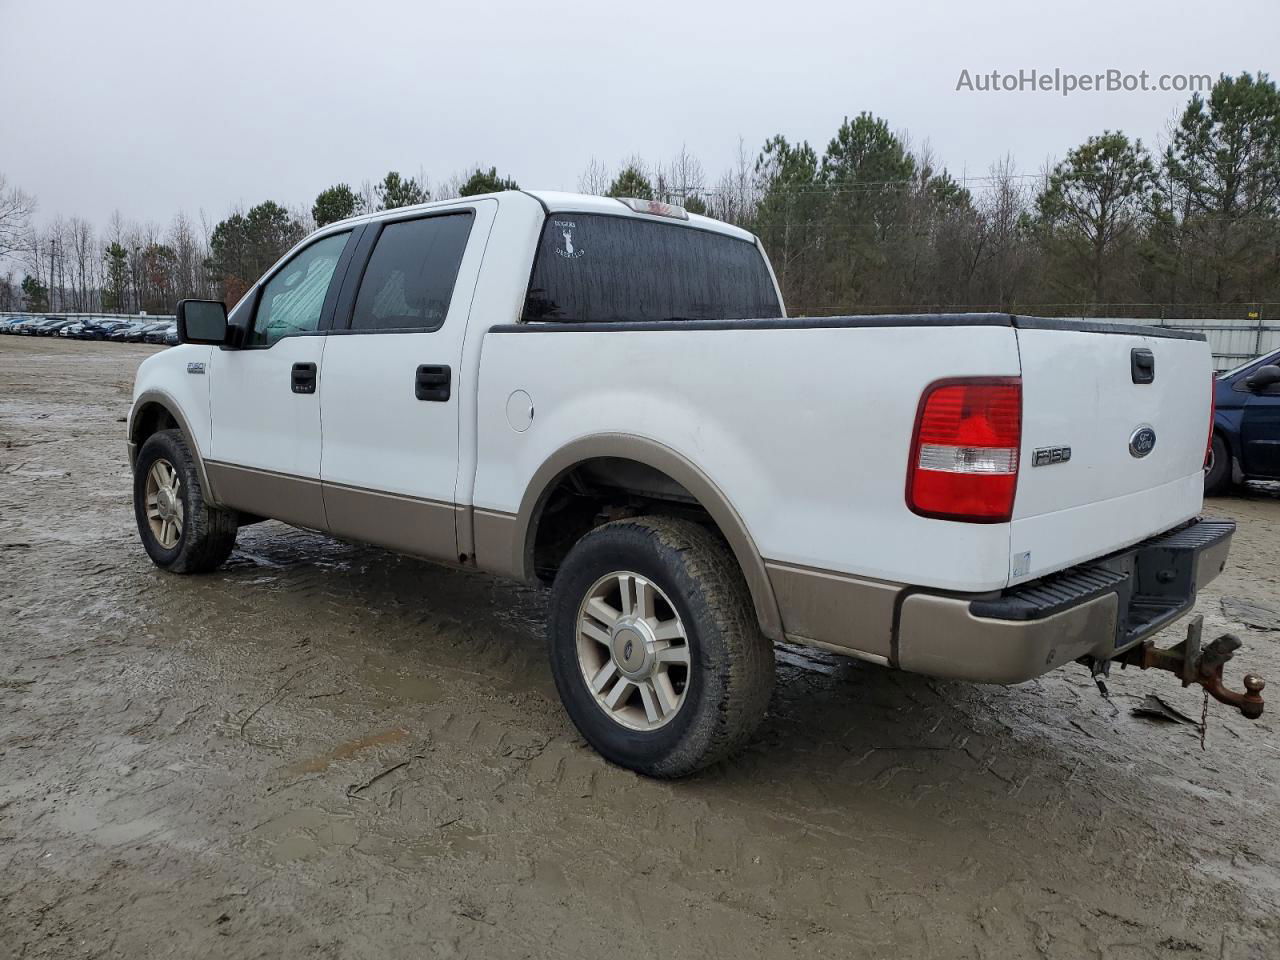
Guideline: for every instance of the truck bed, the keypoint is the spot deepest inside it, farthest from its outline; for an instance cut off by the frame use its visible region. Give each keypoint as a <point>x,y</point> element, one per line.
<point>805,424</point>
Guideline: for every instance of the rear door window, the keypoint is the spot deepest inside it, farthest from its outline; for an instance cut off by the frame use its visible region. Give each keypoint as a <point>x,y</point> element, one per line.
<point>409,281</point>
<point>597,268</point>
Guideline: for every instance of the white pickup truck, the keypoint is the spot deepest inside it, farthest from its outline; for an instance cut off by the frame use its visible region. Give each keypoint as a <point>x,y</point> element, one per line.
<point>607,396</point>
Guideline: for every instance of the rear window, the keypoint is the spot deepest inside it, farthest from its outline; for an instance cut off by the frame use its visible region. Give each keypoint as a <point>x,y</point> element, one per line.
<point>596,268</point>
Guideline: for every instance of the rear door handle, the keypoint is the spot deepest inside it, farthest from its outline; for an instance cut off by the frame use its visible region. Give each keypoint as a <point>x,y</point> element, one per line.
<point>431,382</point>
<point>303,378</point>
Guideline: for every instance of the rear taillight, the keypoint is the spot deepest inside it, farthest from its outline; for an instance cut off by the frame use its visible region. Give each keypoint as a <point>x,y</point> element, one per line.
<point>1213,412</point>
<point>964,453</point>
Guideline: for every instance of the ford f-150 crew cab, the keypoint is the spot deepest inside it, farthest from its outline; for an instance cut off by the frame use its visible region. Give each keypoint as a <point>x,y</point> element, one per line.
<point>608,396</point>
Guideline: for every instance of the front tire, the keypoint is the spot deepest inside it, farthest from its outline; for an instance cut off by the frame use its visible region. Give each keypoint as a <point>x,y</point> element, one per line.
<point>179,530</point>
<point>655,647</point>
<point>1217,473</point>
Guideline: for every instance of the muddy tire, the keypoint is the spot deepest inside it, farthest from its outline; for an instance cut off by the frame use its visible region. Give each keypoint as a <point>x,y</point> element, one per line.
<point>1217,473</point>
<point>655,647</point>
<point>180,532</point>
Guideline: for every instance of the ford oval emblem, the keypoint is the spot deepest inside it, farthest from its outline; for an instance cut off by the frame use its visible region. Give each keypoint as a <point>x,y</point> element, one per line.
<point>1142,441</point>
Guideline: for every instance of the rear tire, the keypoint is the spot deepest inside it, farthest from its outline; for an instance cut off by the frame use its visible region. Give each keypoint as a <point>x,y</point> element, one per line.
<point>179,530</point>
<point>674,691</point>
<point>1217,473</point>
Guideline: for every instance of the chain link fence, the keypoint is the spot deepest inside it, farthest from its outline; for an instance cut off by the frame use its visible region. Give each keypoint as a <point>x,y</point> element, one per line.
<point>1233,341</point>
<point>1252,332</point>
<point>66,315</point>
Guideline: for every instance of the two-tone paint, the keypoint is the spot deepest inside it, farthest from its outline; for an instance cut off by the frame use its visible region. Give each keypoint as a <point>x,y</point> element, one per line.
<point>791,434</point>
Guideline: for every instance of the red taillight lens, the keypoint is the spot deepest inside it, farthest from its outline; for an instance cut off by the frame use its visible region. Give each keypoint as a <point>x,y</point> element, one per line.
<point>964,455</point>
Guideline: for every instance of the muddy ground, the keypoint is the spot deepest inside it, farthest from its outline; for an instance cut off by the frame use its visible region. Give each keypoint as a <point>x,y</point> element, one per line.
<point>325,750</point>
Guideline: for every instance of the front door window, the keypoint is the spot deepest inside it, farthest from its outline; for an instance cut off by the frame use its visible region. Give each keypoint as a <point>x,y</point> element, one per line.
<point>293,299</point>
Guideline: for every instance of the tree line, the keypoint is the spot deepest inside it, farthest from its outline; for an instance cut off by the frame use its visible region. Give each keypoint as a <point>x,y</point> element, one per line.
<point>871,223</point>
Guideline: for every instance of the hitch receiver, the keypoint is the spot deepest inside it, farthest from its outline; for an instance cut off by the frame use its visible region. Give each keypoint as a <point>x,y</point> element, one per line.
<point>1194,664</point>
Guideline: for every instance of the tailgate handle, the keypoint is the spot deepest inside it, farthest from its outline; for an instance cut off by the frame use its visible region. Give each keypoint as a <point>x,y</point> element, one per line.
<point>1142,363</point>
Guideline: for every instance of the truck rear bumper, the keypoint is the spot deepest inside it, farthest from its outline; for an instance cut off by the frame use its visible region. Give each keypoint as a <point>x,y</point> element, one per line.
<point>1100,608</point>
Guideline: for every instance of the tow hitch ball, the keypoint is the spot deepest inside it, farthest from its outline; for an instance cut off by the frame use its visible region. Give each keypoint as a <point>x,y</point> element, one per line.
<point>1195,664</point>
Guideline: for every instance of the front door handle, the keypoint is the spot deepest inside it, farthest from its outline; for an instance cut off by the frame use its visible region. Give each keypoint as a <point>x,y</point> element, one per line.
<point>431,382</point>
<point>303,378</point>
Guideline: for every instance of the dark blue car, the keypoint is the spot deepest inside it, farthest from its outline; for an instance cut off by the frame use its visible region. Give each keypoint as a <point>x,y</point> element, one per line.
<point>1246,426</point>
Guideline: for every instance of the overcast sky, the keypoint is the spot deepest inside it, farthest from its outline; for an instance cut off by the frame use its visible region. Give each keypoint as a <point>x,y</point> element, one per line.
<point>154,107</point>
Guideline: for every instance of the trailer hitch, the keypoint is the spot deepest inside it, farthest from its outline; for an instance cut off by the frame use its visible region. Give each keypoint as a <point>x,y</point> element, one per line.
<point>1194,664</point>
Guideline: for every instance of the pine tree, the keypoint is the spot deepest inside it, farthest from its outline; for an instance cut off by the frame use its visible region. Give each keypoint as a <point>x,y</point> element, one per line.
<point>394,192</point>
<point>116,279</point>
<point>36,294</point>
<point>486,181</point>
<point>631,182</point>
<point>334,204</point>
<point>1094,206</point>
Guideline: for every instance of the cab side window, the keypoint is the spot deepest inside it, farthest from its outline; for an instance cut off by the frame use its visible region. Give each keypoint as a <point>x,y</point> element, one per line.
<point>293,299</point>
<point>409,281</point>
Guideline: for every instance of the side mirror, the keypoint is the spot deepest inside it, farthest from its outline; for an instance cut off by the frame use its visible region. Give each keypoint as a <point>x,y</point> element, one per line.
<point>1263,377</point>
<point>202,321</point>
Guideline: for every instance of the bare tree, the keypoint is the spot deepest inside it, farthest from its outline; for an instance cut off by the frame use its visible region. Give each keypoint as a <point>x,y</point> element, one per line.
<point>9,292</point>
<point>368,196</point>
<point>83,254</point>
<point>451,188</point>
<point>681,181</point>
<point>16,208</point>
<point>595,179</point>
<point>734,198</point>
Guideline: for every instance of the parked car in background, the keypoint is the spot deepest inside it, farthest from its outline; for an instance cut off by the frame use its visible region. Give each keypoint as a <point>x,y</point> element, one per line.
<point>102,329</point>
<point>51,325</point>
<point>81,329</point>
<point>148,328</point>
<point>162,333</point>
<point>86,329</point>
<point>26,326</point>
<point>130,332</point>
<point>7,324</point>
<point>1246,425</point>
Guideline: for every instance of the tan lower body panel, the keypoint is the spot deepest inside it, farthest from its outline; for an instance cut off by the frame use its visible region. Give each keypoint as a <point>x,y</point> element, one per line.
<point>835,610</point>
<point>939,636</point>
<point>494,536</point>
<point>424,528</point>
<point>295,500</point>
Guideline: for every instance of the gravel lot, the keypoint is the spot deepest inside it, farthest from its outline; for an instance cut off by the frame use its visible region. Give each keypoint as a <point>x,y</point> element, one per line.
<point>326,750</point>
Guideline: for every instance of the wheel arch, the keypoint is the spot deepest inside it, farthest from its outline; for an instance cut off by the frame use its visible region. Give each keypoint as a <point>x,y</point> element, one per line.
<point>550,477</point>
<point>155,410</point>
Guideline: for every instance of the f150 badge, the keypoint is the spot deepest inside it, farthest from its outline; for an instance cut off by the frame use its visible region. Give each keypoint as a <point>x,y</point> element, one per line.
<point>195,368</point>
<point>1043,456</point>
<point>1142,441</point>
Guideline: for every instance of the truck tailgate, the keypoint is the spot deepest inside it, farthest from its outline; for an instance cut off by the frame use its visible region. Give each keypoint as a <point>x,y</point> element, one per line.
<point>1082,390</point>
